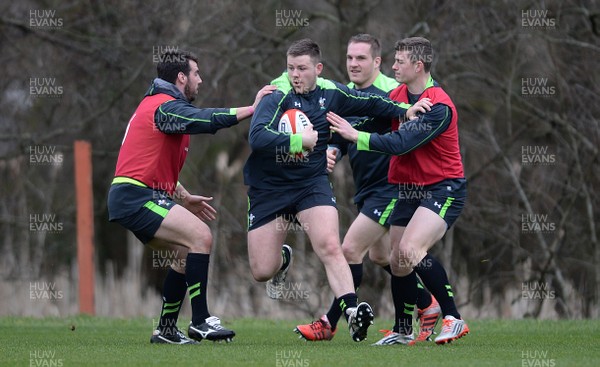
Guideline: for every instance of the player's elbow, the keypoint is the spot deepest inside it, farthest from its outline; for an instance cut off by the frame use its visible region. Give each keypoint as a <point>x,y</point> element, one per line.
<point>256,141</point>
<point>255,144</point>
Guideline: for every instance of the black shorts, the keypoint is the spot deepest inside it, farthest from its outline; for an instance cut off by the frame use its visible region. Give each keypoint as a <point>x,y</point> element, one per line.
<point>445,198</point>
<point>265,205</point>
<point>378,207</point>
<point>138,208</point>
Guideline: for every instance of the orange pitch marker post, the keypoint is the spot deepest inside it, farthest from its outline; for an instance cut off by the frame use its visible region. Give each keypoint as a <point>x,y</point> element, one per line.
<point>85,225</point>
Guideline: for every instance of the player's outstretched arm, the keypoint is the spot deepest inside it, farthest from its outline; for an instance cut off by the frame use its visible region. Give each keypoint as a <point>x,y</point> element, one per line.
<point>411,135</point>
<point>341,126</point>
<point>181,117</point>
<point>245,112</point>
<point>357,103</point>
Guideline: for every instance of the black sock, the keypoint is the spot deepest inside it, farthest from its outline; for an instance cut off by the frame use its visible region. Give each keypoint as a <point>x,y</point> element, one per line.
<point>348,300</point>
<point>434,277</point>
<point>404,293</point>
<point>357,274</point>
<point>174,290</point>
<point>196,276</point>
<point>423,296</point>
<point>335,312</point>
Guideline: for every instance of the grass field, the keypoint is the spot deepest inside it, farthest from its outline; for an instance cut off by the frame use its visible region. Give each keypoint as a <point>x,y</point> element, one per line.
<point>115,342</point>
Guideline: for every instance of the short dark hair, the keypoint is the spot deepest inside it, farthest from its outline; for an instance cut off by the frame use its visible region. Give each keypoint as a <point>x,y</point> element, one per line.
<point>305,46</point>
<point>369,39</point>
<point>419,49</point>
<point>173,62</point>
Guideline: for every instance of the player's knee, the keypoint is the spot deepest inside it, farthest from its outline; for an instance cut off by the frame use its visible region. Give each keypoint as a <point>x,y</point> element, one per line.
<point>399,268</point>
<point>178,266</point>
<point>351,253</point>
<point>409,253</point>
<point>379,258</point>
<point>260,277</point>
<point>201,241</point>
<point>261,274</point>
<point>330,250</point>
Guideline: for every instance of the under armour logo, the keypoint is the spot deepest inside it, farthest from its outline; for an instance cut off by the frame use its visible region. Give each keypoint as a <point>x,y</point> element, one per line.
<point>297,104</point>
<point>438,204</point>
<point>163,202</point>
<point>377,212</point>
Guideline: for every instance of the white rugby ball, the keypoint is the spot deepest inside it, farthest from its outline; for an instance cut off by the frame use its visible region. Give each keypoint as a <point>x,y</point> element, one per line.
<point>293,121</point>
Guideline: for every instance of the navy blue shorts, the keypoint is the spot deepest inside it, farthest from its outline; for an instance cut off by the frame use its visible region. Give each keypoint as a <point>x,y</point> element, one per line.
<point>378,207</point>
<point>139,209</point>
<point>445,198</point>
<point>266,205</point>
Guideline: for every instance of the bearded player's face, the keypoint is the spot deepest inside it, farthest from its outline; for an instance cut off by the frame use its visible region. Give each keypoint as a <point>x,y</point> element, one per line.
<point>192,86</point>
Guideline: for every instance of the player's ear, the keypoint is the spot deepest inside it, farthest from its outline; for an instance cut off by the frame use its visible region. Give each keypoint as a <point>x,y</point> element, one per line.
<point>181,77</point>
<point>419,66</point>
<point>319,67</point>
<point>377,61</point>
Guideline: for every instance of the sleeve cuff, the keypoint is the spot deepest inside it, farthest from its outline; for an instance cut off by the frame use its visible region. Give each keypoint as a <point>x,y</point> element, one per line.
<point>295,143</point>
<point>233,111</point>
<point>363,140</point>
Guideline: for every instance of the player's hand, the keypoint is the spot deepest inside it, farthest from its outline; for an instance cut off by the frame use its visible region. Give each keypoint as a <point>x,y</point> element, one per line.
<point>422,106</point>
<point>331,158</point>
<point>341,126</point>
<point>267,89</point>
<point>199,206</point>
<point>309,138</point>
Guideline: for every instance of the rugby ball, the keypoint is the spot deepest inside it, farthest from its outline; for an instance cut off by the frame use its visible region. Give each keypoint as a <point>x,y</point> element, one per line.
<point>293,121</point>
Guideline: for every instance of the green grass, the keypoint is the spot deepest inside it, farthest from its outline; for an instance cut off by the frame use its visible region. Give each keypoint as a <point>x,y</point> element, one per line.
<point>116,342</point>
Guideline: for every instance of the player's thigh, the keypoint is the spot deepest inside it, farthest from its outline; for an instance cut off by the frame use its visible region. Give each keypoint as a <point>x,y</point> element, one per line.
<point>321,224</point>
<point>140,209</point>
<point>362,235</point>
<point>379,253</point>
<point>264,245</point>
<point>396,233</point>
<point>442,205</point>
<point>183,228</point>
<point>423,231</point>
